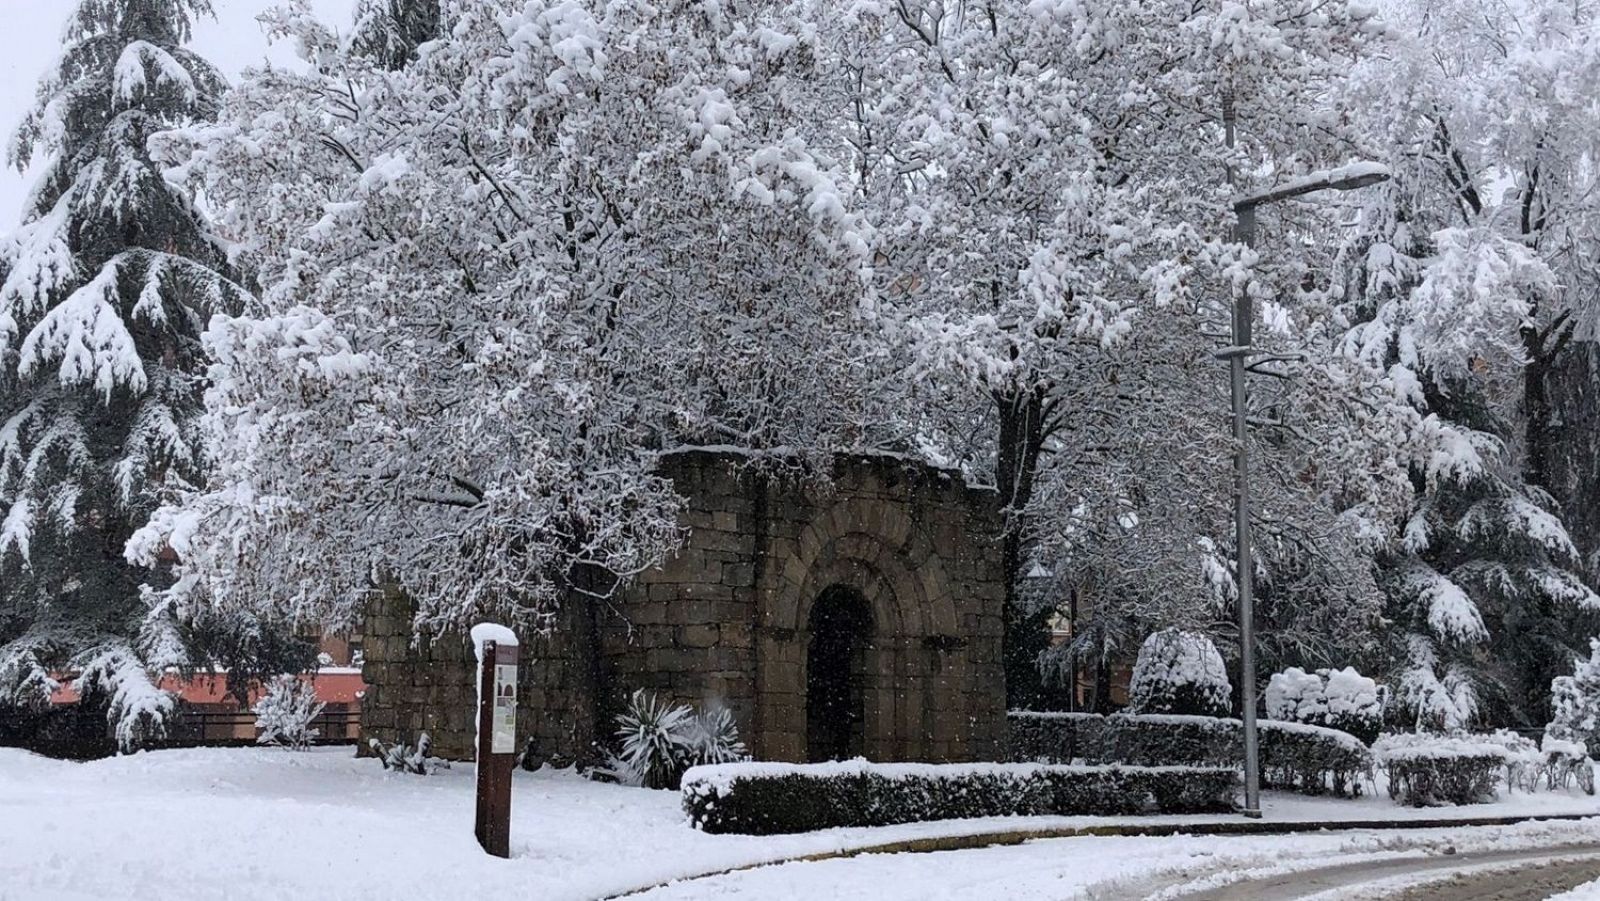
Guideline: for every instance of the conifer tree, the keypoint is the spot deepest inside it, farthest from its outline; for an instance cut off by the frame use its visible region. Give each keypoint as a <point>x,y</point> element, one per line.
<point>390,31</point>
<point>104,290</point>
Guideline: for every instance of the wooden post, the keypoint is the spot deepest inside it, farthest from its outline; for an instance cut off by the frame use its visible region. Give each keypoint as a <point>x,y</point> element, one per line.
<point>497,742</point>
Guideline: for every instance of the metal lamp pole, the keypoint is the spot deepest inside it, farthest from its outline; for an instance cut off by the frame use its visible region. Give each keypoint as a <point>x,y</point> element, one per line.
<point>1358,175</point>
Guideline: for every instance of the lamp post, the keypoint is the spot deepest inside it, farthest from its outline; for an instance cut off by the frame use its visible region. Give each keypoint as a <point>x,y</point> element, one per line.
<point>1345,178</point>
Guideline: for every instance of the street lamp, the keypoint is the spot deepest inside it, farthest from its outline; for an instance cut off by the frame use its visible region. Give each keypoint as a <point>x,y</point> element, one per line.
<point>1344,178</point>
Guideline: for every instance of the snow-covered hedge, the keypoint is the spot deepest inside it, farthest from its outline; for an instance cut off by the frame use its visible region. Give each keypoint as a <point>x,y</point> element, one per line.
<point>1429,770</point>
<point>773,798</point>
<point>1051,737</point>
<point>1294,756</point>
<point>1179,672</point>
<point>1340,699</point>
<point>1565,762</point>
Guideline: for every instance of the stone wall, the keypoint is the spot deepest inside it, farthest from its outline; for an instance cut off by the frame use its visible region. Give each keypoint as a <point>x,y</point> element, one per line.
<point>427,686</point>
<point>727,621</point>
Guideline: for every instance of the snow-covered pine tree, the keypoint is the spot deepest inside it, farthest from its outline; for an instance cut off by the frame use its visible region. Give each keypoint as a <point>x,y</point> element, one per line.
<point>1483,580</point>
<point>106,287</point>
<point>1463,294</point>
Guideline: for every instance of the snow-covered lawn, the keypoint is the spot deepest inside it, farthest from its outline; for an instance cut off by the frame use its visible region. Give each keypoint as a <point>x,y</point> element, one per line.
<point>266,823</point>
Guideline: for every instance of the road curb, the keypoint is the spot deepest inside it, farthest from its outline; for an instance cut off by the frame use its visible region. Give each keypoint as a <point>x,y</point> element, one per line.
<point>1000,838</point>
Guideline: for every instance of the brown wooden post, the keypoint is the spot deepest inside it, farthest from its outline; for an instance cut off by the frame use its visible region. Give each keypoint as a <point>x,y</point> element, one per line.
<point>497,742</point>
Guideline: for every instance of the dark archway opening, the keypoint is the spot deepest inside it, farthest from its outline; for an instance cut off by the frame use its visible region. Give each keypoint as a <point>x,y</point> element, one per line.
<point>840,627</point>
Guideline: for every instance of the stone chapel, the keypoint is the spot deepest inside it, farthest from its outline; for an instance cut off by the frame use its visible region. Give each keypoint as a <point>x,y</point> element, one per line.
<point>857,615</point>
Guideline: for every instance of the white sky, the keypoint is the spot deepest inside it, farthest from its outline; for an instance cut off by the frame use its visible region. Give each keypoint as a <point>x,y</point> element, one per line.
<point>30,38</point>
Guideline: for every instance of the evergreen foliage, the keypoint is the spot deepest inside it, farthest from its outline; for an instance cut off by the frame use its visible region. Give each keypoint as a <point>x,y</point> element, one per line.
<point>104,291</point>
<point>1179,672</point>
<point>1336,699</point>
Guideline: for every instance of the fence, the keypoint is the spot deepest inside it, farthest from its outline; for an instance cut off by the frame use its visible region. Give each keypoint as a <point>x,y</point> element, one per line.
<point>81,733</point>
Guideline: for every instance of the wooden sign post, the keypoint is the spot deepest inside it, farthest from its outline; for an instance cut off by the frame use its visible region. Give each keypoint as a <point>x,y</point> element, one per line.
<point>497,741</point>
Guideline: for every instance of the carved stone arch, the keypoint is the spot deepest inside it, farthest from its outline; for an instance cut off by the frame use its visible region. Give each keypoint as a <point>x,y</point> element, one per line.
<point>876,550</point>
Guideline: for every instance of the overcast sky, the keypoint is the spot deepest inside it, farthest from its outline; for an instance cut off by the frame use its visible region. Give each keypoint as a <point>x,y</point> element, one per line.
<point>31,38</point>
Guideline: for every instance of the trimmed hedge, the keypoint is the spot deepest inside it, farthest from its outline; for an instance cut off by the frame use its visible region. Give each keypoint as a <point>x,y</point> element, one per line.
<point>1294,756</point>
<point>770,798</point>
<point>1431,770</point>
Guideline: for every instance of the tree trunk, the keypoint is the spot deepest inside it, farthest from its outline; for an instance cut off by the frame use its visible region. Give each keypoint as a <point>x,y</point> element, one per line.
<point>1022,432</point>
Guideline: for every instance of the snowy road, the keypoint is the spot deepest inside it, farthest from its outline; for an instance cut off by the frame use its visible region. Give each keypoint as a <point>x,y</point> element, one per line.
<point>1495,865</point>
<point>1522,875</point>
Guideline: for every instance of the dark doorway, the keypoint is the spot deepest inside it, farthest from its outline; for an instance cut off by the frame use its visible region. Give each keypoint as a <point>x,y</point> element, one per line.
<point>836,665</point>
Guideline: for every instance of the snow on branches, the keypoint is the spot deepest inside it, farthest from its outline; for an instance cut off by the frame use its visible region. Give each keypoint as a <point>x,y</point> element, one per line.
<point>497,279</point>
<point>103,292</point>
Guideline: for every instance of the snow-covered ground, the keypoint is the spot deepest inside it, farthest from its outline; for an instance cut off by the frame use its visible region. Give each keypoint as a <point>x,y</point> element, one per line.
<point>267,823</point>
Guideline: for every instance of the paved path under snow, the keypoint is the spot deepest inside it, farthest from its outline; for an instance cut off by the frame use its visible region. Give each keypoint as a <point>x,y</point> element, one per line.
<point>1521,875</point>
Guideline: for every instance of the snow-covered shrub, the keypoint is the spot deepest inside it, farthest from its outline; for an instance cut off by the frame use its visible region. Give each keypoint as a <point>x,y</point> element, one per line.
<point>285,713</point>
<point>714,738</point>
<point>1429,770</point>
<point>769,798</point>
<point>1575,702</point>
<point>404,758</point>
<point>1524,762</point>
<point>1294,756</point>
<point>1179,672</point>
<point>1566,762</point>
<point>659,740</point>
<point>1340,699</point>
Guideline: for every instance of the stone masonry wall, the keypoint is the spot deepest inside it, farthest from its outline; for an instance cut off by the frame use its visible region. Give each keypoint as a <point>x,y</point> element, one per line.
<point>726,621</point>
<point>428,687</point>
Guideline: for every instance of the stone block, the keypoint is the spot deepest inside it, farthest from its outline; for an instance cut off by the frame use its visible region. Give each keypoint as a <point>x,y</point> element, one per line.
<point>702,635</point>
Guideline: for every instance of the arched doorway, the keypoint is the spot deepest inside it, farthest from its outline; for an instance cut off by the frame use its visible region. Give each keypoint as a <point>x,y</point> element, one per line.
<point>840,630</point>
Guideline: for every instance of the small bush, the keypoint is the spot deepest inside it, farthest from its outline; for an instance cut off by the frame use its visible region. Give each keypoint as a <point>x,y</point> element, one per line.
<point>1524,762</point>
<point>660,740</point>
<point>404,758</point>
<point>770,799</point>
<point>1179,672</point>
<point>1566,762</point>
<point>1336,699</point>
<point>655,740</point>
<point>285,713</point>
<point>714,738</point>
<point>1575,703</point>
<point>1431,770</point>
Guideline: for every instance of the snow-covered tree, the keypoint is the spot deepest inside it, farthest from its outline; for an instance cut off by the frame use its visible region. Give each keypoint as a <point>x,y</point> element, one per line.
<point>1459,279</point>
<point>499,280</point>
<point>1050,183</point>
<point>390,31</point>
<point>106,287</point>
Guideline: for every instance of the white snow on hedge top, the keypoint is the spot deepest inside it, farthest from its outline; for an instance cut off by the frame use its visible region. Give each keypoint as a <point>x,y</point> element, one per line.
<point>1422,746</point>
<point>487,632</point>
<point>1342,738</point>
<point>719,778</point>
<point>1295,694</point>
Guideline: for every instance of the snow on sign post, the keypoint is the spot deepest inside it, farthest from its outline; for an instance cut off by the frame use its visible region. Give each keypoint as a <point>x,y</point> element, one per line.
<point>496,648</point>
